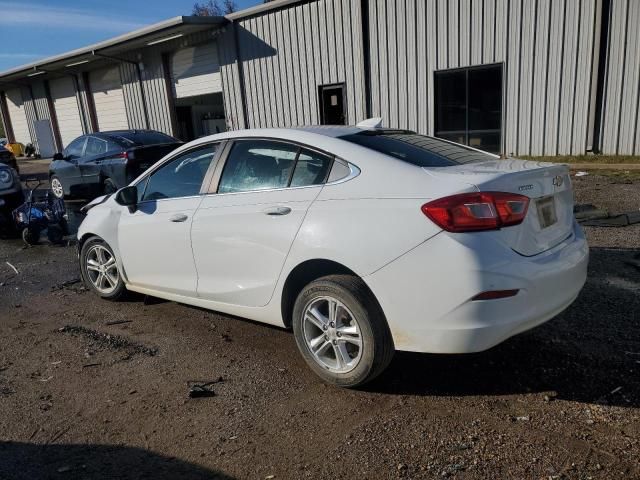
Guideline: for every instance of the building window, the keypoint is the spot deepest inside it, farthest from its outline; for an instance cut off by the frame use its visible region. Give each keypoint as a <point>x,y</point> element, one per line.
<point>469,106</point>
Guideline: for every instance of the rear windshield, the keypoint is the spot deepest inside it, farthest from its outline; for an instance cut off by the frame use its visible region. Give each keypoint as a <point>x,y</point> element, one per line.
<point>417,149</point>
<point>142,138</point>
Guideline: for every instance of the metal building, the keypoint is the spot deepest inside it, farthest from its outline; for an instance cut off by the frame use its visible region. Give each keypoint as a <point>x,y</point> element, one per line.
<point>517,77</point>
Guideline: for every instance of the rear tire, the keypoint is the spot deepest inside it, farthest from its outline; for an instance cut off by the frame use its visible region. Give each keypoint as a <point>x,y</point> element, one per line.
<point>341,331</point>
<point>99,270</point>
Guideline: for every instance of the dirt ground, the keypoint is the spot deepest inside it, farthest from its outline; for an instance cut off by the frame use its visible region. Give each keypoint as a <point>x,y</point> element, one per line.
<point>93,389</point>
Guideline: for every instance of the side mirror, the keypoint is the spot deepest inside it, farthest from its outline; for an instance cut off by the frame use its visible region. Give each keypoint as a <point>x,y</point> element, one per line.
<point>58,156</point>
<point>128,197</point>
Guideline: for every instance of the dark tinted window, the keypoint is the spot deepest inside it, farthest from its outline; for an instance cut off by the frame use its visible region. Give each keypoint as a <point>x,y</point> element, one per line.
<point>181,177</point>
<point>469,106</point>
<point>142,138</point>
<point>95,146</point>
<point>75,148</point>
<point>416,149</point>
<point>311,169</point>
<point>258,165</point>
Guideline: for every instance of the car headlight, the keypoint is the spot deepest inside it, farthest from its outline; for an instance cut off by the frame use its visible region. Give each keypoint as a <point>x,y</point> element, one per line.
<point>6,179</point>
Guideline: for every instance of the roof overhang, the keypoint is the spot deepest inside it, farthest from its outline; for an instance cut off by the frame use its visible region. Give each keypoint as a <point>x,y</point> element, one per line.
<point>259,9</point>
<point>147,36</point>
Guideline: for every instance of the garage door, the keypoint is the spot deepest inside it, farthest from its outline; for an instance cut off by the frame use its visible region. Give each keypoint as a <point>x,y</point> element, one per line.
<point>108,99</point>
<point>65,103</point>
<point>18,116</point>
<point>196,71</point>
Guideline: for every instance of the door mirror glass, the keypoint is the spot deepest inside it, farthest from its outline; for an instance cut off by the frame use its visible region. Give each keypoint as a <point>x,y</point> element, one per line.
<point>58,156</point>
<point>127,196</point>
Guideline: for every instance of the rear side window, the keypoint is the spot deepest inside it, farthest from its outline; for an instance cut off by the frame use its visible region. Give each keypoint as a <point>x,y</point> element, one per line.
<point>264,164</point>
<point>95,146</point>
<point>416,149</point>
<point>181,177</point>
<point>311,169</point>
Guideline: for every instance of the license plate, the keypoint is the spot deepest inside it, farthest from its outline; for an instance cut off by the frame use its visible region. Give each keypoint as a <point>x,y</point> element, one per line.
<point>546,212</point>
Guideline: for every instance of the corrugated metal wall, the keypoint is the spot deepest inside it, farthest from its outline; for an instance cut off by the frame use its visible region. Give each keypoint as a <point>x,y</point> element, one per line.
<point>548,47</point>
<point>620,107</point>
<point>287,53</point>
<point>232,90</point>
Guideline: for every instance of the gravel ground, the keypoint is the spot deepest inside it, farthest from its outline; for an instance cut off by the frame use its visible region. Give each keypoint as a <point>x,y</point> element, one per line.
<point>92,389</point>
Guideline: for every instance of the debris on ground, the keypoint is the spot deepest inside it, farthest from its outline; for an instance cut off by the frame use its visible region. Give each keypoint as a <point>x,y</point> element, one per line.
<point>113,342</point>
<point>13,268</point>
<point>591,216</point>
<point>581,174</point>
<point>199,389</point>
<point>118,322</point>
<point>65,284</point>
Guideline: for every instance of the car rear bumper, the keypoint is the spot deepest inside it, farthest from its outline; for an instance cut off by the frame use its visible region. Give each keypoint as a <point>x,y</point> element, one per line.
<point>427,293</point>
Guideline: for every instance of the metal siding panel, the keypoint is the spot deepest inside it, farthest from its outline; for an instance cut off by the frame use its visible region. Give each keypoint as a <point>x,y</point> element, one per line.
<point>501,30</point>
<point>584,67</point>
<point>392,59</point>
<point>432,46</point>
<point>301,51</point>
<point>324,44</point>
<point>401,62</point>
<point>464,27</point>
<point>412,65</point>
<point>526,70</point>
<point>476,31</point>
<point>355,62</point>
<point>247,41</point>
<point>513,80</point>
<point>489,23</point>
<point>384,63</point>
<point>312,61</point>
<point>422,68</point>
<point>108,98</point>
<point>615,64</point>
<point>443,33</point>
<point>453,34</point>
<point>554,72</point>
<point>629,97</point>
<point>567,91</point>
<point>538,110</point>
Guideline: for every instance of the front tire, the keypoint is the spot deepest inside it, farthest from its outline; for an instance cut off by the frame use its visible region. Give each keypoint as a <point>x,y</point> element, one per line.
<point>56,187</point>
<point>99,270</point>
<point>341,331</point>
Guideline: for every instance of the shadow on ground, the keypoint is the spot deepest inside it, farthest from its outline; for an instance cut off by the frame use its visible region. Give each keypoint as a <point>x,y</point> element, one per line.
<point>584,354</point>
<point>31,461</point>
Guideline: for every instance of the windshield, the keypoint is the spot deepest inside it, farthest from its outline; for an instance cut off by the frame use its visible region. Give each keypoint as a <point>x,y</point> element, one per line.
<point>417,149</point>
<point>143,138</point>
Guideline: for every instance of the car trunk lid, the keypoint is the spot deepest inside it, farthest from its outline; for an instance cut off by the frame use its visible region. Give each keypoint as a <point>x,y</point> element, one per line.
<point>549,219</point>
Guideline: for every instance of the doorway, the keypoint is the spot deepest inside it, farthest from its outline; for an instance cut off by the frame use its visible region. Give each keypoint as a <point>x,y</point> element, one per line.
<point>332,104</point>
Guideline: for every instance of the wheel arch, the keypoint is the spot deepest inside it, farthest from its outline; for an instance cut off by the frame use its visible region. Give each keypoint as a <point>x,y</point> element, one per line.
<point>303,274</point>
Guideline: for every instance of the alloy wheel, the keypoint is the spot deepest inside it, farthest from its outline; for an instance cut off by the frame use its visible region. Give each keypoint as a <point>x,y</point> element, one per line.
<point>332,334</point>
<point>102,269</point>
<point>56,188</point>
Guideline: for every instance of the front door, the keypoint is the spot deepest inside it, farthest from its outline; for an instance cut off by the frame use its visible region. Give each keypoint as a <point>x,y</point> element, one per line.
<point>68,169</point>
<point>241,235</point>
<point>155,240</point>
<point>332,105</point>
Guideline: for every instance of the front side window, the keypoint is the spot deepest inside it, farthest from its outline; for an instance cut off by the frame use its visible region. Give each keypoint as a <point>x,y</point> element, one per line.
<point>181,177</point>
<point>75,148</point>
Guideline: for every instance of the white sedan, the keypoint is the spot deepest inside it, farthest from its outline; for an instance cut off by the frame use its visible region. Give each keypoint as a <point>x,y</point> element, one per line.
<point>362,240</point>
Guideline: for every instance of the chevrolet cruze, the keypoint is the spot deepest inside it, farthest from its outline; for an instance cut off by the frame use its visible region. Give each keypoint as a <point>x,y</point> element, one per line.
<point>363,240</point>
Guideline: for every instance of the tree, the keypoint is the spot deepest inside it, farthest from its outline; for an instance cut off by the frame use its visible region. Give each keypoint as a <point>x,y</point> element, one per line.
<point>214,8</point>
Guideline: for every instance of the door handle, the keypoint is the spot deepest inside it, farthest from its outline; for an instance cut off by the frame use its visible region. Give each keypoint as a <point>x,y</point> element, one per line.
<point>178,217</point>
<point>277,211</point>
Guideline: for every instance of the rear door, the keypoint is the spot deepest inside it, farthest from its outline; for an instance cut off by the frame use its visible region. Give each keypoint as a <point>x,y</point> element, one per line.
<point>241,234</point>
<point>155,240</point>
<point>91,163</point>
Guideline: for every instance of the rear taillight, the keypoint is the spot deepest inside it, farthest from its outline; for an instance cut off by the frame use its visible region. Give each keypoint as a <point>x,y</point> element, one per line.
<point>473,212</point>
<point>124,155</point>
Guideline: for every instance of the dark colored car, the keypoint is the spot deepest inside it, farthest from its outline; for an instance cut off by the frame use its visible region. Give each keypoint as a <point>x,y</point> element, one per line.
<point>8,158</point>
<point>11,196</point>
<point>100,163</point>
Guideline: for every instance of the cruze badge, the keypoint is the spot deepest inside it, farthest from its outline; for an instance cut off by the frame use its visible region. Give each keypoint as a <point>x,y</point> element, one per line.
<point>558,181</point>
<point>525,187</point>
